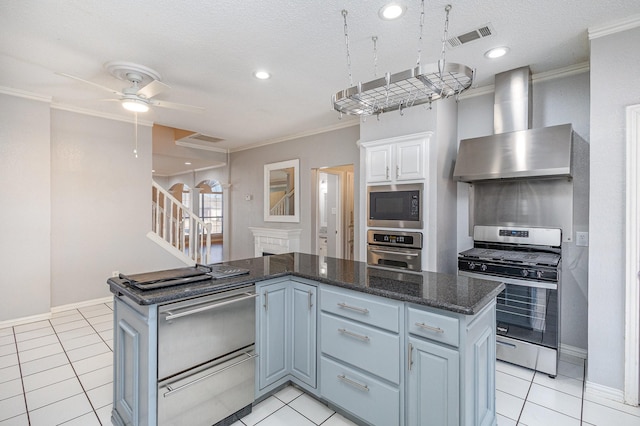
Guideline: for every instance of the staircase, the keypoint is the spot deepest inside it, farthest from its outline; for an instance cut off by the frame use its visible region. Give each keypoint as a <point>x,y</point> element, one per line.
<point>283,206</point>
<point>177,229</point>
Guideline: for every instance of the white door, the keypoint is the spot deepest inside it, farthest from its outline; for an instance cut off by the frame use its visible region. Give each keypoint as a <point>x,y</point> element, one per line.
<point>334,237</point>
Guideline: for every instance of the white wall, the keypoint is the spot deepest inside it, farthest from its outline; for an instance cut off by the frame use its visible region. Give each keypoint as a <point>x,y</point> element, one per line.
<point>615,67</point>
<point>25,194</point>
<point>555,101</point>
<point>76,206</point>
<point>100,205</point>
<point>247,168</point>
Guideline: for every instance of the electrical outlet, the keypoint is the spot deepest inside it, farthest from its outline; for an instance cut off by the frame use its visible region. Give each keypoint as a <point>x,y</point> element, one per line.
<point>115,274</point>
<point>582,239</point>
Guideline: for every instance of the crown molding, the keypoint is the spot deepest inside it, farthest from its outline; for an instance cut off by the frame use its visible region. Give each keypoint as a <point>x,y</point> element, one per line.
<point>342,125</point>
<point>535,78</point>
<point>84,111</point>
<point>24,94</point>
<point>623,24</point>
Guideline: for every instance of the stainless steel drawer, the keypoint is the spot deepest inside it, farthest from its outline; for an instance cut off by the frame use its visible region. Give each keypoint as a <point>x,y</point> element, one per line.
<point>210,393</point>
<point>199,330</point>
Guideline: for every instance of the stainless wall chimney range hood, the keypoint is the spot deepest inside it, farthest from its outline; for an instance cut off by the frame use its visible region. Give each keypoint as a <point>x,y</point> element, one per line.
<point>516,151</point>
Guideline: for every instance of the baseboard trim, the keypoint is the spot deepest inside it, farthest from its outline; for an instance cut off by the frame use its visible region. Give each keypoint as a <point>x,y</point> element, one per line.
<point>25,320</point>
<point>601,391</point>
<point>62,308</point>
<point>572,351</point>
<point>54,310</point>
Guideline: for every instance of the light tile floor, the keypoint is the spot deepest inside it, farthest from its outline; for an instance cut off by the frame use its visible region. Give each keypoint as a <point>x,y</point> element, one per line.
<point>59,371</point>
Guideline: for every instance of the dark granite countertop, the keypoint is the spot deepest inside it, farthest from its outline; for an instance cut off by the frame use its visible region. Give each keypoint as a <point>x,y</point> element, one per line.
<point>449,292</point>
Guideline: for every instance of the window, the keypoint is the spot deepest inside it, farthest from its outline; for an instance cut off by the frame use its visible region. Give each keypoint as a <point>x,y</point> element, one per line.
<point>211,204</point>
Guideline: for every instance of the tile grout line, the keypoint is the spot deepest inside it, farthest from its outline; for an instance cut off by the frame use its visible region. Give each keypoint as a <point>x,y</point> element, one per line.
<point>525,398</point>
<point>77,376</point>
<point>24,392</point>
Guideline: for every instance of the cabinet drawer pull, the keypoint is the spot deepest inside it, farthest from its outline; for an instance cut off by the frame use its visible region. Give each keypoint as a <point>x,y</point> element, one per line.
<point>353,383</point>
<point>352,334</point>
<point>430,328</point>
<point>171,316</point>
<point>172,390</point>
<point>353,308</point>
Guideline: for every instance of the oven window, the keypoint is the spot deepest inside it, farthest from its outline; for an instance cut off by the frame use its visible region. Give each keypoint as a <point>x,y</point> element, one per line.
<point>529,314</point>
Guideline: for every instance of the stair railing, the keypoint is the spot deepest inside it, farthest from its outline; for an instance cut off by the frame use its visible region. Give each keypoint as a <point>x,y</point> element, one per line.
<point>283,205</point>
<point>177,225</point>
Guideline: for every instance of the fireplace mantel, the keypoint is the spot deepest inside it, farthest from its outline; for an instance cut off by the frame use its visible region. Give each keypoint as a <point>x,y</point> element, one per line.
<point>275,241</point>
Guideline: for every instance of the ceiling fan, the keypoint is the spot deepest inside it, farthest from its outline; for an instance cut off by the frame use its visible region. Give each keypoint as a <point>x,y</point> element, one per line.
<point>145,85</point>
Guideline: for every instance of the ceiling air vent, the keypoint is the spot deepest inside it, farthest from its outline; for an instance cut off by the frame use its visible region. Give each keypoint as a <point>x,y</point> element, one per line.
<point>478,33</point>
<point>200,141</point>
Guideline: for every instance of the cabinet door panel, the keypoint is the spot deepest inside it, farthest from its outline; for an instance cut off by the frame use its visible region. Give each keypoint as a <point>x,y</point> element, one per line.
<point>379,164</point>
<point>274,339</point>
<point>303,354</point>
<point>433,384</point>
<point>409,160</point>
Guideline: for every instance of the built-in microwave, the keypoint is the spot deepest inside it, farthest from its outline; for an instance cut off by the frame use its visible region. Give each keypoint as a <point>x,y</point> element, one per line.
<point>395,206</point>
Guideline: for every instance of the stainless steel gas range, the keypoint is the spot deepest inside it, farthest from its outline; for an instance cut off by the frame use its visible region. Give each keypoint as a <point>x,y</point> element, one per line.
<point>528,261</point>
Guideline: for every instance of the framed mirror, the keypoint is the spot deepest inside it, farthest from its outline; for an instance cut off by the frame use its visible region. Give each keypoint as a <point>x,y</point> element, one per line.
<point>282,191</point>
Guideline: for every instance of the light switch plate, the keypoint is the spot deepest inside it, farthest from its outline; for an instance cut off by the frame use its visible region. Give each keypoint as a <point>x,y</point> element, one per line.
<point>582,239</point>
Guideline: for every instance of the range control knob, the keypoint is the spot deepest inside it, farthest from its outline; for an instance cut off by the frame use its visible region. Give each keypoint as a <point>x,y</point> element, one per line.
<point>539,274</point>
<point>472,265</point>
<point>524,272</point>
<point>483,267</point>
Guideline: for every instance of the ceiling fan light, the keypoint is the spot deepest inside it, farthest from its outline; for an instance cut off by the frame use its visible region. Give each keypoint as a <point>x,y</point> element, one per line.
<point>135,105</point>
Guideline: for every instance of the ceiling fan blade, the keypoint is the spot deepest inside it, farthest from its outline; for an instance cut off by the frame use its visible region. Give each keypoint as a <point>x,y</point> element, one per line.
<point>173,105</point>
<point>153,88</point>
<point>115,92</point>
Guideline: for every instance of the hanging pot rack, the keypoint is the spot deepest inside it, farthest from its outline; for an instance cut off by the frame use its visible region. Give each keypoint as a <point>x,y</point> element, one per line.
<point>415,86</point>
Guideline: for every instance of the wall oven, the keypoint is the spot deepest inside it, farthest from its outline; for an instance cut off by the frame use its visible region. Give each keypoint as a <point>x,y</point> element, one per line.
<point>395,206</point>
<point>394,249</point>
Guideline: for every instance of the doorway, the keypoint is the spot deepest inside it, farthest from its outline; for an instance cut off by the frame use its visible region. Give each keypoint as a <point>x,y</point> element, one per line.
<point>334,207</point>
<point>632,293</point>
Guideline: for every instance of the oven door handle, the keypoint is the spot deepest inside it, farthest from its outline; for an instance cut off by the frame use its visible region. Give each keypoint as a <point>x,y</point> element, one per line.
<point>394,252</point>
<point>173,390</point>
<point>171,316</point>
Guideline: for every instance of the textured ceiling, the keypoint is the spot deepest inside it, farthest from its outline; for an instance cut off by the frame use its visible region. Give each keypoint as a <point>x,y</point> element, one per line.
<point>207,52</point>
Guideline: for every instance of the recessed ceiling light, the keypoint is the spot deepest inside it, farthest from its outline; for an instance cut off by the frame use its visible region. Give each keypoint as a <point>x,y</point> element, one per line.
<point>261,75</point>
<point>186,163</point>
<point>496,52</point>
<point>391,11</point>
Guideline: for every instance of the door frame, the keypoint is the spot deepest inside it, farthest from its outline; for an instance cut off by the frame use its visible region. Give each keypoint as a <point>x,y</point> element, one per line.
<point>632,280</point>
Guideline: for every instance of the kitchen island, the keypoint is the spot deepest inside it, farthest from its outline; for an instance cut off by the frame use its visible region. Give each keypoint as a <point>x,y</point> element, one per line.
<point>377,345</point>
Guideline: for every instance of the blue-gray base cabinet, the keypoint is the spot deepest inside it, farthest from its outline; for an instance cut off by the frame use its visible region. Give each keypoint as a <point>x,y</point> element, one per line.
<point>134,363</point>
<point>385,362</point>
<point>361,355</point>
<point>450,367</point>
<point>286,314</point>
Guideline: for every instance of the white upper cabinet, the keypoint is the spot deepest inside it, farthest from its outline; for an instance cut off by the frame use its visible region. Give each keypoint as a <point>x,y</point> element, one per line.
<point>397,159</point>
